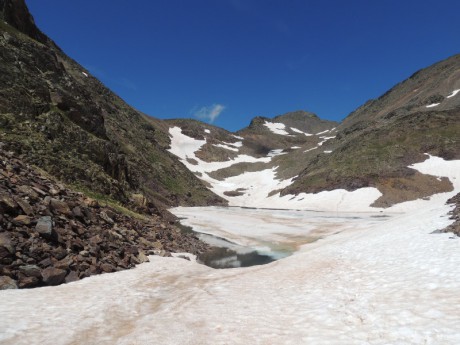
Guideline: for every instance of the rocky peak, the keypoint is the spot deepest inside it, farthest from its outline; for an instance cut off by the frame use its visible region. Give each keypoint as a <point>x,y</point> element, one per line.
<point>16,14</point>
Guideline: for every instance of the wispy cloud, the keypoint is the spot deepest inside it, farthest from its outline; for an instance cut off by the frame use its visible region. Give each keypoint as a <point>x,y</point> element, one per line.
<point>210,113</point>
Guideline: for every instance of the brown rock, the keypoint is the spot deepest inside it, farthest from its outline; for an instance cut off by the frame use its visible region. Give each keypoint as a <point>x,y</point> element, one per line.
<point>28,191</point>
<point>27,282</point>
<point>7,283</point>
<point>6,247</point>
<point>22,220</point>
<point>59,206</point>
<point>7,202</point>
<point>53,276</point>
<point>64,264</point>
<point>25,206</point>
<point>107,267</point>
<point>72,277</point>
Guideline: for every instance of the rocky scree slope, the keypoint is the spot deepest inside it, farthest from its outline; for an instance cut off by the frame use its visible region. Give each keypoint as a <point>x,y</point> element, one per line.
<point>66,122</point>
<point>50,235</point>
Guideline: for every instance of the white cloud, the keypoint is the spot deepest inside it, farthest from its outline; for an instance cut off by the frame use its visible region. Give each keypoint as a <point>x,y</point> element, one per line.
<point>210,113</point>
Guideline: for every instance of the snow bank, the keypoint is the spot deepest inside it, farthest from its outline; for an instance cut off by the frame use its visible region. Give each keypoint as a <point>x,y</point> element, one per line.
<point>453,93</point>
<point>433,105</point>
<point>276,127</point>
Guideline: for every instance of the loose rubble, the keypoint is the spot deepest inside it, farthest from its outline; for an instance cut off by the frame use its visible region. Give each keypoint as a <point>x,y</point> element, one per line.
<point>50,235</point>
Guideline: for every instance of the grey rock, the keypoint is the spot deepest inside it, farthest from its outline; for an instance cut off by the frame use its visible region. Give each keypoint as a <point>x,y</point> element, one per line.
<point>45,227</point>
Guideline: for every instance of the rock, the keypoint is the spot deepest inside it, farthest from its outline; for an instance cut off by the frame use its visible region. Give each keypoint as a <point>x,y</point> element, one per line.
<point>27,282</point>
<point>25,206</point>
<point>7,202</point>
<point>72,277</point>
<point>7,283</point>
<point>27,190</point>
<point>59,206</point>
<point>106,218</point>
<point>64,264</point>
<point>31,271</point>
<point>105,267</point>
<point>45,228</point>
<point>76,211</point>
<point>6,247</point>
<point>53,276</point>
<point>22,220</point>
<point>142,257</point>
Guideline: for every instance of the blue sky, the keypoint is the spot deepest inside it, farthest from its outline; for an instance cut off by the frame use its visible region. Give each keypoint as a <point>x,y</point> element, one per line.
<point>227,61</point>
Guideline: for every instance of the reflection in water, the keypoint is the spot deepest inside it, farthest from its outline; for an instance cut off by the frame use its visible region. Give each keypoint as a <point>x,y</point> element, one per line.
<point>226,254</point>
<point>219,257</point>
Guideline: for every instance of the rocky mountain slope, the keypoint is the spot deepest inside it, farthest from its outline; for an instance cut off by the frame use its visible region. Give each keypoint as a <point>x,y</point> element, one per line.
<point>375,144</point>
<point>66,122</point>
<point>50,234</point>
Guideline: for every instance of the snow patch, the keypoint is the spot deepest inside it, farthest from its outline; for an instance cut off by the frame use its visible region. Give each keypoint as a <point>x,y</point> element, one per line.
<point>226,147</point>
<point>327,151</point>
<point>433,105</point>
<point>207,131</point>
<point>276,127</point>
<point>277,152</point>
<point>453,93</point>
<point>85,74</point>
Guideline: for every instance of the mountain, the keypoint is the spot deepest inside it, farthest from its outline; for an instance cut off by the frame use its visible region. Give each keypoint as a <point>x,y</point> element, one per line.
<point>375,143</point>
<point>64,121</point>
<point>298,153</point>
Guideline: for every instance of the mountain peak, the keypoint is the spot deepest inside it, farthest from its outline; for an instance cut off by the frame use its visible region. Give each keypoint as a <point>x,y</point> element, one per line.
<point>16,14</point>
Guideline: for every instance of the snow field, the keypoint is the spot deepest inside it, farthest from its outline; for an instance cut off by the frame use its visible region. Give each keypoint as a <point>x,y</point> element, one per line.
<point>372,280</point>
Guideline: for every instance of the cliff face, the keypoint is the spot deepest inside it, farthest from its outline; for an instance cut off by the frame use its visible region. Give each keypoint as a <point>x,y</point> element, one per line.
<point>61,119</point>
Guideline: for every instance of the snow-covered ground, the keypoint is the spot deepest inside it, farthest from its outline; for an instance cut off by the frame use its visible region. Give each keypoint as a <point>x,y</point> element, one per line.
<point>372,280</point>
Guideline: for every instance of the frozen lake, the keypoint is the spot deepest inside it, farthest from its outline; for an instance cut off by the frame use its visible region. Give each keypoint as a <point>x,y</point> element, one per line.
<point>244,237</point>
<point>368,280</point>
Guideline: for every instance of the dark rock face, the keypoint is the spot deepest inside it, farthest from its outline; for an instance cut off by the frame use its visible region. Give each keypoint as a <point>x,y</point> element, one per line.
<point>66,236</point>
<point>15,13</point>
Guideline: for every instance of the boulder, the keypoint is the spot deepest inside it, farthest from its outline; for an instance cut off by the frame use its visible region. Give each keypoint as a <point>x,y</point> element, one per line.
<point>53,276</point>
<point>45,228</point>
<point>72,277</point>
<point>59,206</point>
<point>7,283</point>
<point>27,282</point>
<point>31,271</point>
<point>25,206</point>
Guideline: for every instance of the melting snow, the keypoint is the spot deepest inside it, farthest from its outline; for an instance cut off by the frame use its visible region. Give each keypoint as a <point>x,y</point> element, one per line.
<point>277,152</point>
<point>327,130</point>
<point>85,74</point>
<point>276,127</point>
<point>207,131</point>
<point>295,147</point>
<point>377,280</point>
<point>301,132</point>
<point>226,147</point>
<point>453,93</point>
<point>327,151</point>
<point>433,105</point>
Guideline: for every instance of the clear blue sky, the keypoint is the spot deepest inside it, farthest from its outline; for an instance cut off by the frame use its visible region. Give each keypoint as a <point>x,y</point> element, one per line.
<point>231,60</point>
